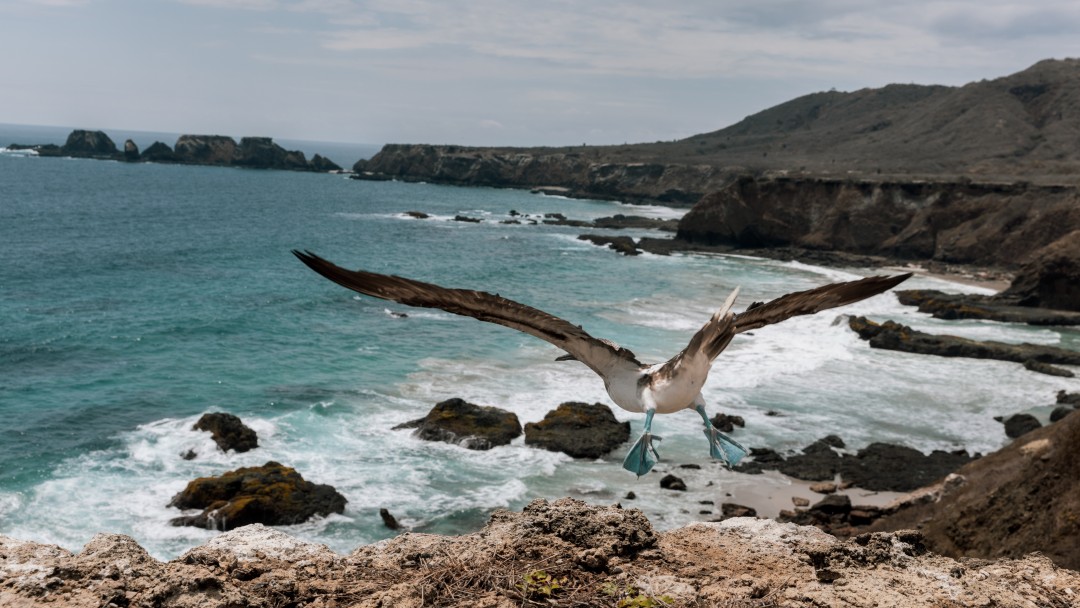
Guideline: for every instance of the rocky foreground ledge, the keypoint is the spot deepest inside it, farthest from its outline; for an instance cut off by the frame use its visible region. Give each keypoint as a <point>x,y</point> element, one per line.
<point>562,553</point>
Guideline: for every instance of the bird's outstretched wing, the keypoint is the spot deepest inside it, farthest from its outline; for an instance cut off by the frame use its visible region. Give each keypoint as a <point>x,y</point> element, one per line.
<point>717,333</point>
<point>814,300</point>
<point>602,356</point>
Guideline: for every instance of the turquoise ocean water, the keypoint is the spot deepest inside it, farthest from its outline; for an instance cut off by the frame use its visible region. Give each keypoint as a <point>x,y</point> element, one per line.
<point>134,298</point>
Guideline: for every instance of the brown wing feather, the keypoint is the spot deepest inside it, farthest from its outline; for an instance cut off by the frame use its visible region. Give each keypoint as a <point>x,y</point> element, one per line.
<point>599,355</point>
<point>815,300</point>
<point>717,333</point>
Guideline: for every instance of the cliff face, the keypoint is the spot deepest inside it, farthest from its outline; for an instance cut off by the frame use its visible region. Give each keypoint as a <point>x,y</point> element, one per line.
<point>581,173</point>
<point>563,553</point>
<point>958,222</point>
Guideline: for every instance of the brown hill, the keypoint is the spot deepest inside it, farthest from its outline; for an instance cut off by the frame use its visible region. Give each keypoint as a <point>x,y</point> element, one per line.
<point>1027,123</point>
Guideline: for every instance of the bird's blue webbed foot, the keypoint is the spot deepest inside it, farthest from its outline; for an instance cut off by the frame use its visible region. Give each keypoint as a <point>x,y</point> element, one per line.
<point>721,447</point>
<point>642,456</point>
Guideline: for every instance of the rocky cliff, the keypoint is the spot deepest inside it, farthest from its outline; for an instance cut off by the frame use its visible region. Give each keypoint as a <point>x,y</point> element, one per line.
<point>961,222</point>
<point>563,553</point>
<point>580,173</point>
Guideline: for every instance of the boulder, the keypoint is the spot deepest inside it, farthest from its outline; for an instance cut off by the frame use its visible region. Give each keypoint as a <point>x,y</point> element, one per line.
<point>727,423</point>
<point>1060,412</point>
<point>817,462</point>
<point>1046,368</point>
<point>158,153</point>
<point>896,468</point>
<point>1051,276</point>
<point>1066,398</point>
<point>388,519</point>
<point>131,151</point>
<point>205,149</point>
<point>420,215</point>
<point>475,427</point>
<point>671,482</point>
<point>465,218</point>
<point>323,165</point>
<point>1020,424</point>
<point>730,509</point>
<point>263,153</point>
<point>89,144</point>
<point>228,431</point>
<point>581,430</point>
<point>272,494</point>
<point>878,467</point>
<point>622,244</point>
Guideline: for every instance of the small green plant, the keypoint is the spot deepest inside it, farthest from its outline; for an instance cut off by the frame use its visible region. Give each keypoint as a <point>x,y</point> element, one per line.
<point>539,582</point>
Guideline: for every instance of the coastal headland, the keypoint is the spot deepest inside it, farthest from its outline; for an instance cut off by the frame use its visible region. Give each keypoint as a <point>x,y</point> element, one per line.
<point>982,175</point>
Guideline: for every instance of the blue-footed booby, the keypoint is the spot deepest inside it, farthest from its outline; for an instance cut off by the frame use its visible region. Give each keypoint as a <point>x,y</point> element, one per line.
<point>634,386</point>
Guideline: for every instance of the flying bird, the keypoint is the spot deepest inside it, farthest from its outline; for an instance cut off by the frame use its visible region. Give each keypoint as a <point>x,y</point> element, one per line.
<point>634,386</point>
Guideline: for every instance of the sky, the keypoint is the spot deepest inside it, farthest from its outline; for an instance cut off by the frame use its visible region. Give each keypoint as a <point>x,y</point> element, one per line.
<point>490,72</point>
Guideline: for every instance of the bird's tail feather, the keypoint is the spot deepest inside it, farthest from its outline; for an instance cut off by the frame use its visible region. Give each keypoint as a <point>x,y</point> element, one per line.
<point>720,328</point>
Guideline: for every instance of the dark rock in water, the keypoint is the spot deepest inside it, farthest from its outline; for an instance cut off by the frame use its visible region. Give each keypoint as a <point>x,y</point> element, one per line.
<point>581,430</point>
<point>622,244</point>
<point>465,218</point>
<point>263,153</point>
<point>272,494</point>
<point>620,221</point>
<point>630,496</point>
<point>1046,368</point>
<point>228,431</point>
<point>730,509</point>
<point>89,144</point>
<point>205,149</point>
<point>1020,424</point>
<point>896,468</point>
<point>158,153</point>
<point>323,165</point>
<point>420,215</point>
<point>894,336</point>
<point>818,461</point>
<point>690,466</point>
<point>671,482</point>
<point>1060,412</point>
<point>388,520</point>
<point>1051,276</point>
<point>131,151</point>
<point>761,459</point>
<point>727,423</point>
<point>1068,398</point>
<point>475,427</point>
<point>975,306</point>
<point>878,467</point>
<point>189,455</point>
